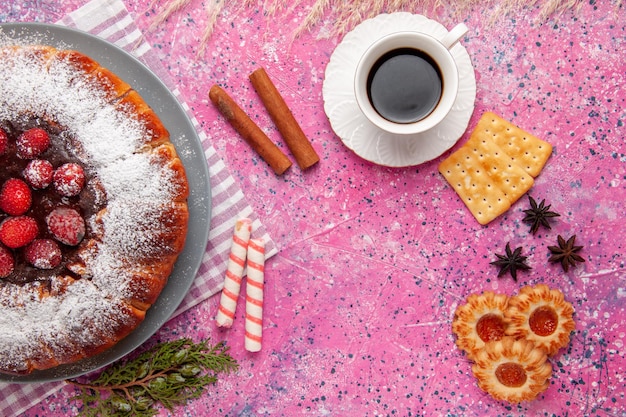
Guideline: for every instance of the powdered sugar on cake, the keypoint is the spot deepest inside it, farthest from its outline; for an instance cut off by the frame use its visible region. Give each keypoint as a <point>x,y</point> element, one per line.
<point>137,187</point>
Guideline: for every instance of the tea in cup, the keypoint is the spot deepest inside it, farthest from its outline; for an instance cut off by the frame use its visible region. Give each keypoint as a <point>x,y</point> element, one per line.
<point>407,82</point>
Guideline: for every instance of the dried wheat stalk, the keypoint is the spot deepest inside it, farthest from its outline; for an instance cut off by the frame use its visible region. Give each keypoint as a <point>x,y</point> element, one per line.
<point>347,14</point>
<point>171,8</point>
<point>213,10</point>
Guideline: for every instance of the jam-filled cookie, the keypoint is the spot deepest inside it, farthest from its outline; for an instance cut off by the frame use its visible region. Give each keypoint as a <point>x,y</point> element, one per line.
<point>542,315</point>
<point>512,370</point>
<point>480,320</point>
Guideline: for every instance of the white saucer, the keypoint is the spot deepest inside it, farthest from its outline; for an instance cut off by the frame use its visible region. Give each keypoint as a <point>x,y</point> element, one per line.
<point>358,133</point>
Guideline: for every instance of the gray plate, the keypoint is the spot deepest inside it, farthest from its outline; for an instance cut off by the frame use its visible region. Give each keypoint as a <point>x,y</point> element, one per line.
<point>190,151</point>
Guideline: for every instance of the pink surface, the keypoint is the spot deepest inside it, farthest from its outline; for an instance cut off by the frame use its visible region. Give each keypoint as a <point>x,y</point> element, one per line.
<point>373,261</point>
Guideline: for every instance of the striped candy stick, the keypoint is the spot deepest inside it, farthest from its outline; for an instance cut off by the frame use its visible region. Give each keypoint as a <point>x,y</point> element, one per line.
<point>234,273</point>
<point>254,295</point>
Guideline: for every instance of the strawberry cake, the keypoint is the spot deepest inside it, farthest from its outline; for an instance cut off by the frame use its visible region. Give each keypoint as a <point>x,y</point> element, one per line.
<point>93,208</point>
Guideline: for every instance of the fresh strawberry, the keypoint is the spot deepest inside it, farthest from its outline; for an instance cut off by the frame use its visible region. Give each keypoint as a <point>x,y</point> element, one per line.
<point>15,197</point>
<point>7,262</point>
<point>69,179</point>
<point>16,232</point>
<point>66,225</point>
<point>38,173</point>
<point>4,141</point>
<point>43,253</point>
<point>32,143</point>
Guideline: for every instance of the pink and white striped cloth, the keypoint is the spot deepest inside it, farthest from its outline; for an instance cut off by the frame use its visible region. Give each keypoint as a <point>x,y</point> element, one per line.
<point>110,20</point>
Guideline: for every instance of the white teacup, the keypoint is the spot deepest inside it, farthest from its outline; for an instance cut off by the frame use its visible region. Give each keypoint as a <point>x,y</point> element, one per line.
<point>407,82</point>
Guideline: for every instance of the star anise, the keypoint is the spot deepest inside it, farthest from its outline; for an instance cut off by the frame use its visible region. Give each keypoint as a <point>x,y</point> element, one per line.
<point>511,262</point>
<point>538,215</point>
<point>566,252</point>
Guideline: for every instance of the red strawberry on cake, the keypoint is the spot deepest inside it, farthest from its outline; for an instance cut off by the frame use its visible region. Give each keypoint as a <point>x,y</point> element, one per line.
<point>66,225</point>
<point>15,197</point>
<point>7,263</point>
<point>38,173</point>
<point>4,141</point>
<point>32,143</point>
<point>69,179</point>
<point>16,232</point>
<point>43,254</point>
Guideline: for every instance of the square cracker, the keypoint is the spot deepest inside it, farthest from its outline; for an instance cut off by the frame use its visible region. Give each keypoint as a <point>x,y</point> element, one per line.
<point>528,151</point>
<point>511,178</point>
<point>472,182</point>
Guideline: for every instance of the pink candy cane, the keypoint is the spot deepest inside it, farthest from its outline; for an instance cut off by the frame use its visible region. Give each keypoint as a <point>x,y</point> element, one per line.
<point>254,295</point>
<point>234,273</point>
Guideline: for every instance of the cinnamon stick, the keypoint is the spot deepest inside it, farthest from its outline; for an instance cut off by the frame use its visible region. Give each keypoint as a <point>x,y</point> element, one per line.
<point>249,131</point>
<point>284,120</point>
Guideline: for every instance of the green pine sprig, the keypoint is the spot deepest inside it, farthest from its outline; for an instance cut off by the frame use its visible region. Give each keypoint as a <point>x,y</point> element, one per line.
<point>170,373</point>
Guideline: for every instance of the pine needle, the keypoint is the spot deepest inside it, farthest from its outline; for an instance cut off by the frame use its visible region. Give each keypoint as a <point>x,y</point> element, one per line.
<point>170,374</point>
